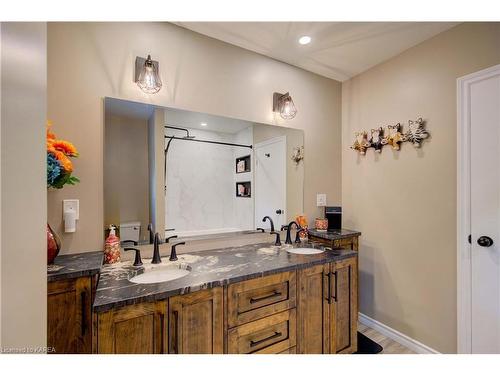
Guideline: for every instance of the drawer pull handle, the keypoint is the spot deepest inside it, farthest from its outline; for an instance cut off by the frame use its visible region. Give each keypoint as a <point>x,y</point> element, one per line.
<point>258,299</point>
<point>83,298</point>
<point>258,342</point>
<point>334,296</point>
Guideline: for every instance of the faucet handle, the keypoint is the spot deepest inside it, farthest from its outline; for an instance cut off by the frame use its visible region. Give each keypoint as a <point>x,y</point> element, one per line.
<point>138,260</point>
<point>169,238</point>
<point>278,239</point>
<point>135,243</point>
<point>261,229</point>
<point>173,252</point>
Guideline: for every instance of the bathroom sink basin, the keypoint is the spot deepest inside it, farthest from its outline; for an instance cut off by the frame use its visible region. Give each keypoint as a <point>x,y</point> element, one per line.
<point>304,250</point>
<point>161,274</point>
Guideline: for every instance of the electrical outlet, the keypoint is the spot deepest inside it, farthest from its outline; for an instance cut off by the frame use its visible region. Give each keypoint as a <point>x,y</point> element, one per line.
<point>320,200</point>
<point>72,205</point>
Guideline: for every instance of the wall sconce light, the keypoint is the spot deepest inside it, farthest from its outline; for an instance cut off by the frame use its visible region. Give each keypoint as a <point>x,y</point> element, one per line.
<point>283,104</point>
<point>147,75</point>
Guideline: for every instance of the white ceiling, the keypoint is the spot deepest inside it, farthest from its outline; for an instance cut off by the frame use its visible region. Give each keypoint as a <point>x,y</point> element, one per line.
<point>193,120</point>
<point>339,50</point>
<point>175,117</point>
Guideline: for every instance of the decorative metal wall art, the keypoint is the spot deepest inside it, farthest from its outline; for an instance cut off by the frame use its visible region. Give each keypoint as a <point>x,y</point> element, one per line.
<point>391,135</point>
<point>361,142</point>
<point>416,132</point>
<point>298,154</point>
<point>376,139</point>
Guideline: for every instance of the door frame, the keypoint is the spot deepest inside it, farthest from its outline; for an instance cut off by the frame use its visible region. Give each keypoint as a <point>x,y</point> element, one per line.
<point>464,285</point>
<point>256,146</point>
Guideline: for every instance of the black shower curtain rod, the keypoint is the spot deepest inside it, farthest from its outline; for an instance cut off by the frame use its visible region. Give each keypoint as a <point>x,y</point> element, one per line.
<point>204,141</point>
<point>190,138</point>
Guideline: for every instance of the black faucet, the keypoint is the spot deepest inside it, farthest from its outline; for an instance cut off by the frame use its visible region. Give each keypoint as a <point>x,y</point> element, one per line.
<point>173,253</point>
<point>156,250</point>
<point>270,221</point>
<point>138,260</point>
<point>297,235</point>
<point>288,229</point>
<point>278,239</point>
<point>151,235</point>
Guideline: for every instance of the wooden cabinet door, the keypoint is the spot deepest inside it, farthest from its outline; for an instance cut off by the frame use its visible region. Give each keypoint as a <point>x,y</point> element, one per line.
<point>69,316</point>
<point>134,329</point>
<point>196,323</point>
<point>344,307</point>
<point>313,310</point>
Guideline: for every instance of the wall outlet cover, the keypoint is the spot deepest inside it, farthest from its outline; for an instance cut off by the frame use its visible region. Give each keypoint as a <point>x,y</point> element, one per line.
<point>72,205</point>
<point>320,200</point>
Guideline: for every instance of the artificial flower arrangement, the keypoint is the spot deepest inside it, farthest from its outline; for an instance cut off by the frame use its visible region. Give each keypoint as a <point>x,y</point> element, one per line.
<point>59,165</point>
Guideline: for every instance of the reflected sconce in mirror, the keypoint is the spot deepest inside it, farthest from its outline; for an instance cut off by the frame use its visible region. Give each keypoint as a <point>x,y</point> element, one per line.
<point>283,104</point>
<point>147,75</point>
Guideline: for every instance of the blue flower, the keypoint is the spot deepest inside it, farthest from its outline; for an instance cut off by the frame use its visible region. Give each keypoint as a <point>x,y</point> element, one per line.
<point>53,169</point>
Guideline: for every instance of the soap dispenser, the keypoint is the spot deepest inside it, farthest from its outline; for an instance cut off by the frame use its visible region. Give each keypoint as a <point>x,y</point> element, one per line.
<point>112,247</point>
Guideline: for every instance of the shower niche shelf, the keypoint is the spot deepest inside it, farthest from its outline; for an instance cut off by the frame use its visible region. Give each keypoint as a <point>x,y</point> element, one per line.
<point>243,164</point>
<point>244,189</point>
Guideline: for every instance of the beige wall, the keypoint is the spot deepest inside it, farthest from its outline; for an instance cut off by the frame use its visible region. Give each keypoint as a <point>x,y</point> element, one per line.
<point>88,61</point>
<point>23,177</point>
<point>405,202</point>
<point>126,167</point>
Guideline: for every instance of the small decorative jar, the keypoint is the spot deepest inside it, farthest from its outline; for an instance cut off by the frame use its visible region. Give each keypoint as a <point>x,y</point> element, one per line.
<point>321,224</point>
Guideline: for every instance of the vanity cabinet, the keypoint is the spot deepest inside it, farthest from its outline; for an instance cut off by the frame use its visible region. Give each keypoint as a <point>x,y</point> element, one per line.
<point>69,314</point>
<point>311,310</point>
<point>327,308</point>
<point>196,323</point>
<point>136,329</point>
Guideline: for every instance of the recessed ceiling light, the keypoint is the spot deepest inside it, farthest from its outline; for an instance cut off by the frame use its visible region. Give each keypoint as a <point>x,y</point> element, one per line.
<point>203,124</point>
<point>305,39</point>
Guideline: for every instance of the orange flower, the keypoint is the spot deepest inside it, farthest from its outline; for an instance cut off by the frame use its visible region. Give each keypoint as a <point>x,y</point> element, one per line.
<point>64,160</point>
<point>50,135</point>
<point>65,147</point>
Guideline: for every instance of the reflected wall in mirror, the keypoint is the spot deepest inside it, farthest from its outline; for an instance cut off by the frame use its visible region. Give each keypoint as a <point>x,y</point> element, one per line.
<point>192,174</point>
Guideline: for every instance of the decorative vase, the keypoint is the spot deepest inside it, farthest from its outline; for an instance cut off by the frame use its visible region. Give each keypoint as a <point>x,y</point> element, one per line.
<point>53,245</point>
<point>321,224</point>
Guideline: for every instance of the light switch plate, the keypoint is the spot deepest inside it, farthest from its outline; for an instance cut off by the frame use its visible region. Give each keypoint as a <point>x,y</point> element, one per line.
<point>320,200</point>
<point>72,205</point>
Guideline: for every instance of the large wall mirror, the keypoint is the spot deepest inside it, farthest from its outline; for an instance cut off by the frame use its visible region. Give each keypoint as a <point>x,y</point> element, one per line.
<point>194,174</point>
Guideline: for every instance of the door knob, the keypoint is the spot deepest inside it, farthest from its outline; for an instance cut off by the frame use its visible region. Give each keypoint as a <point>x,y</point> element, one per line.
<point>279,212</point>
<point>484,241</point>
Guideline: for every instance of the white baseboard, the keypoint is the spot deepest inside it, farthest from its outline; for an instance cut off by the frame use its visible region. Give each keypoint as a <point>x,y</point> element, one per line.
<point>397,336</point>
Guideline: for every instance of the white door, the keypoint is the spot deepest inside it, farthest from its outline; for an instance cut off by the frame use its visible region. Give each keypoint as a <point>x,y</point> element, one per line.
<point>270,182</point>
<point>484,117</point>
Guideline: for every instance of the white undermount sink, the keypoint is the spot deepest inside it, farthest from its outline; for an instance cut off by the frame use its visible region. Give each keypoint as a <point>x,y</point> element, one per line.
<point>161,274</point>
<point>304,250</point>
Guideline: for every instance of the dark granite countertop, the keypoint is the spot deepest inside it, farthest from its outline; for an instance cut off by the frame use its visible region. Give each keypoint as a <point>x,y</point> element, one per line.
<point>209,269</point>
<point>334,234</point>
<point>75,265</point>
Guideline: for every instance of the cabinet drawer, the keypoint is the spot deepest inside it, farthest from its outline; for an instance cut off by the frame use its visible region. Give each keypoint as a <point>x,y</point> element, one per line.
<point>254,299</point>
<point>270,335</point>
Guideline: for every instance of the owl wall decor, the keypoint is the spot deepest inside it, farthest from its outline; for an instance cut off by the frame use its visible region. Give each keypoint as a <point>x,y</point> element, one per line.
<point>361,142</point>
<point>391,135</point>
<point>416,132</point>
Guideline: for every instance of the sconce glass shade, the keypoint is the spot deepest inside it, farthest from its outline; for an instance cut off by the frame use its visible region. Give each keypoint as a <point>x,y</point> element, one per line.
<point>148,78</point>
<point>283,104</point>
